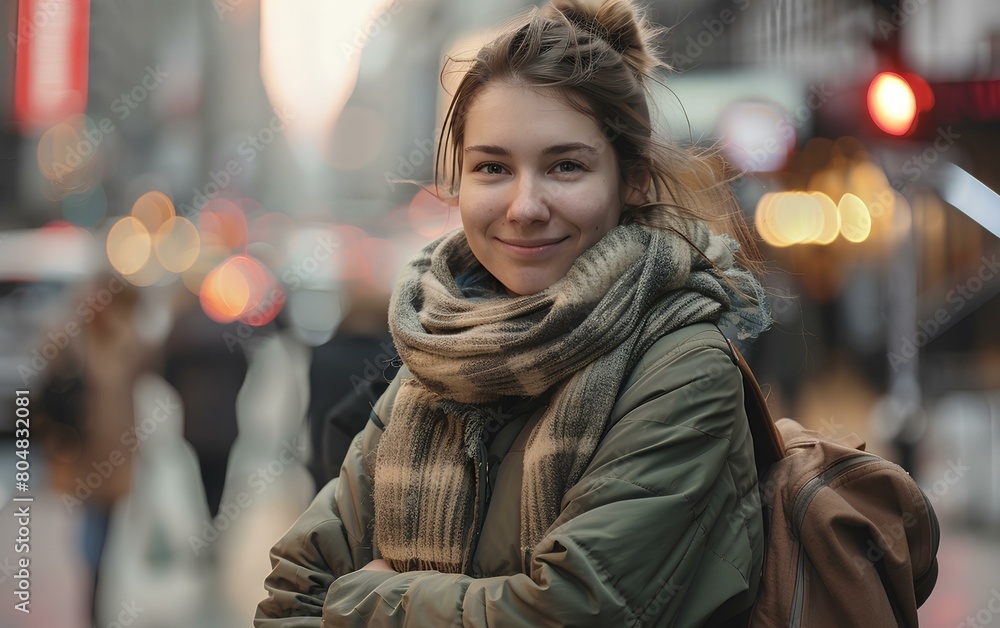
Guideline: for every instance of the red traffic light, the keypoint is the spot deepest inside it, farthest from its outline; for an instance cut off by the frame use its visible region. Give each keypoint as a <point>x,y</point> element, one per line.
<point>895,100</point>
<point>892,103</point>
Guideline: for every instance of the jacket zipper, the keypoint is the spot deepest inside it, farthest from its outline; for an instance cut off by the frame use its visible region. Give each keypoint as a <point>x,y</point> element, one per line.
<point>482,484</point>
<point>802,501</point>
<point>484,488</point>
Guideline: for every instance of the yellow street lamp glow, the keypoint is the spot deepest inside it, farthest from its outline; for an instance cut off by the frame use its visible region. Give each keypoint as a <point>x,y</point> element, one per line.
<point>798,218</point>
<point>763,219</point>
<point>177,244</point>
<point>831,218</point>
<point>855,221</point>
<point>153,209</point>
<point>128,245</point>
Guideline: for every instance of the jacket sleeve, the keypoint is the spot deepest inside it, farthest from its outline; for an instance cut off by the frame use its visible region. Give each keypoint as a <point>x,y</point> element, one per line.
<point>332,538</point>
<point>663,528</point>
<point>307,560</point>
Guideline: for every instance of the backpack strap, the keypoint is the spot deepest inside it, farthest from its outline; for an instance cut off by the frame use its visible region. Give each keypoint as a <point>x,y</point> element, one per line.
<point>768,447</point>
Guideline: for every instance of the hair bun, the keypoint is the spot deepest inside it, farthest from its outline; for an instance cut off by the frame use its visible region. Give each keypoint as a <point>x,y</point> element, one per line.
<point>619,23</point>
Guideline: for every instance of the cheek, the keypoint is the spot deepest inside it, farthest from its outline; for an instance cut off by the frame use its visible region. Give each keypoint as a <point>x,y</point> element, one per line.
<point>477,208</point>
<point>602,215</point>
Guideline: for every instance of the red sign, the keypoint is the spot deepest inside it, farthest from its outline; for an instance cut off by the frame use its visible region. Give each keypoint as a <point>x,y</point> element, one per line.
<point>975,101</point>
<point>50,76</point>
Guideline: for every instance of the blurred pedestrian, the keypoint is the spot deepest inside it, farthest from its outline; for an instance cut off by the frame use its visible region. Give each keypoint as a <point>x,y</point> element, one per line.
<point>206,362</point>
<point>346,377</point>
<point>88,413</point>
<point>566,442</point>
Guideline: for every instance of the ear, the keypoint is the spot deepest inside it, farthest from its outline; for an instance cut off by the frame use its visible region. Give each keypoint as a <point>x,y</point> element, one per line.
<point>637,186</point>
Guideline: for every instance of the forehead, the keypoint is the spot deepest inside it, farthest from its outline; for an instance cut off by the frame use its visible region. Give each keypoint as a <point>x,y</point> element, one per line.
<point>503,113</point>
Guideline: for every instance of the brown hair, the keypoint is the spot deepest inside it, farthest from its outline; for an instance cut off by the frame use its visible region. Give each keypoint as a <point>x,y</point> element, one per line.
<point>599,55</point>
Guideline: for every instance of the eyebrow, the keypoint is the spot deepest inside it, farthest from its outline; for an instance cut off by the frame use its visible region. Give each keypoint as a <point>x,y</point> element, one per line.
<point>556,149</point>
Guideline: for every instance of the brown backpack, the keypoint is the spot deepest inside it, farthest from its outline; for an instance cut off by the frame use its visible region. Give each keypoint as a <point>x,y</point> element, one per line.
<point>851,538</point>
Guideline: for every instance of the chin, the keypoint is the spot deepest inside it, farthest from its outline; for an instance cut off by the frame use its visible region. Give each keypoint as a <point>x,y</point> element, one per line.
<point>524,286</point>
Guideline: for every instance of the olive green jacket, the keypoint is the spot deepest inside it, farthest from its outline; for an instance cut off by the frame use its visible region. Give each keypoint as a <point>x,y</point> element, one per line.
<point>663,529</point>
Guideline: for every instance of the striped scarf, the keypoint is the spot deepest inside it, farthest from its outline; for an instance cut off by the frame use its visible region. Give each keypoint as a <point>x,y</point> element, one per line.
<point>581,337</point>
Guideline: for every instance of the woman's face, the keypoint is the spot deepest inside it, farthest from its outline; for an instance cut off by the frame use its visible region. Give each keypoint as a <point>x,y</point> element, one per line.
<point>540,185</point>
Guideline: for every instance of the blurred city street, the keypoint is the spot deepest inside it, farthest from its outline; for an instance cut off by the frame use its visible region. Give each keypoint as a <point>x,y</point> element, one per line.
<point>204,207</point>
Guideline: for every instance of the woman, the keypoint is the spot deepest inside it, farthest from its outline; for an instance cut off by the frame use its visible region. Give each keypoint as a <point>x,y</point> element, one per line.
<point>566,442</point>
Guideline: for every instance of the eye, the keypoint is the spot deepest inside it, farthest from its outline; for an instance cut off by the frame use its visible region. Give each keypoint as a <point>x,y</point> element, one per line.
<point>490,168</point>
<point>567,167</point>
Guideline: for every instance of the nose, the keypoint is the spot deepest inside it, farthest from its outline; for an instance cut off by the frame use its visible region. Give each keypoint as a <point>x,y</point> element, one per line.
<point>528,203</point>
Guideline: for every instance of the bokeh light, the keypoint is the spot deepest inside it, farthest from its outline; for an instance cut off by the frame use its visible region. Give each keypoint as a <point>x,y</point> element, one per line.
<point>66,155</point>
<point>209,257</point>
<point>352,262</point>
<point>763,220</point>
<point>855,221</point>
<point>757,136</point>
<point>225,293</point>
<point>129,245</point>
<point>798,217</point>
<point>153,209</point>
<point>892,104</point>
<point>795,217</point>
<point>151,273</point>
<point>831,218</point>
<point>177,244</point>
<point>382,262</point>
<point>301,41</point>
<point>223,223</point>
<point>430,216</point>
<point>241,288</point>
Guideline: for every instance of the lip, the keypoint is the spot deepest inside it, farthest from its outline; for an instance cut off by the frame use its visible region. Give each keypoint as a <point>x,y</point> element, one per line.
<point>531,248</point>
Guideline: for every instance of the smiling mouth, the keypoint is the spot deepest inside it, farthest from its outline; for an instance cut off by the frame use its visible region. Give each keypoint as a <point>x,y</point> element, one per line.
<point>528,248</point>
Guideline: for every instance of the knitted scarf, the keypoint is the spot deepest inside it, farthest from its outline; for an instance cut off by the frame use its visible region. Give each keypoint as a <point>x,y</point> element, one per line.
<point>581,337</point>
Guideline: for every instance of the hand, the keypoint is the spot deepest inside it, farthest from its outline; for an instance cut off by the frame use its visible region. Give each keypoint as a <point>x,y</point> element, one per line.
<point>379,565</point>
